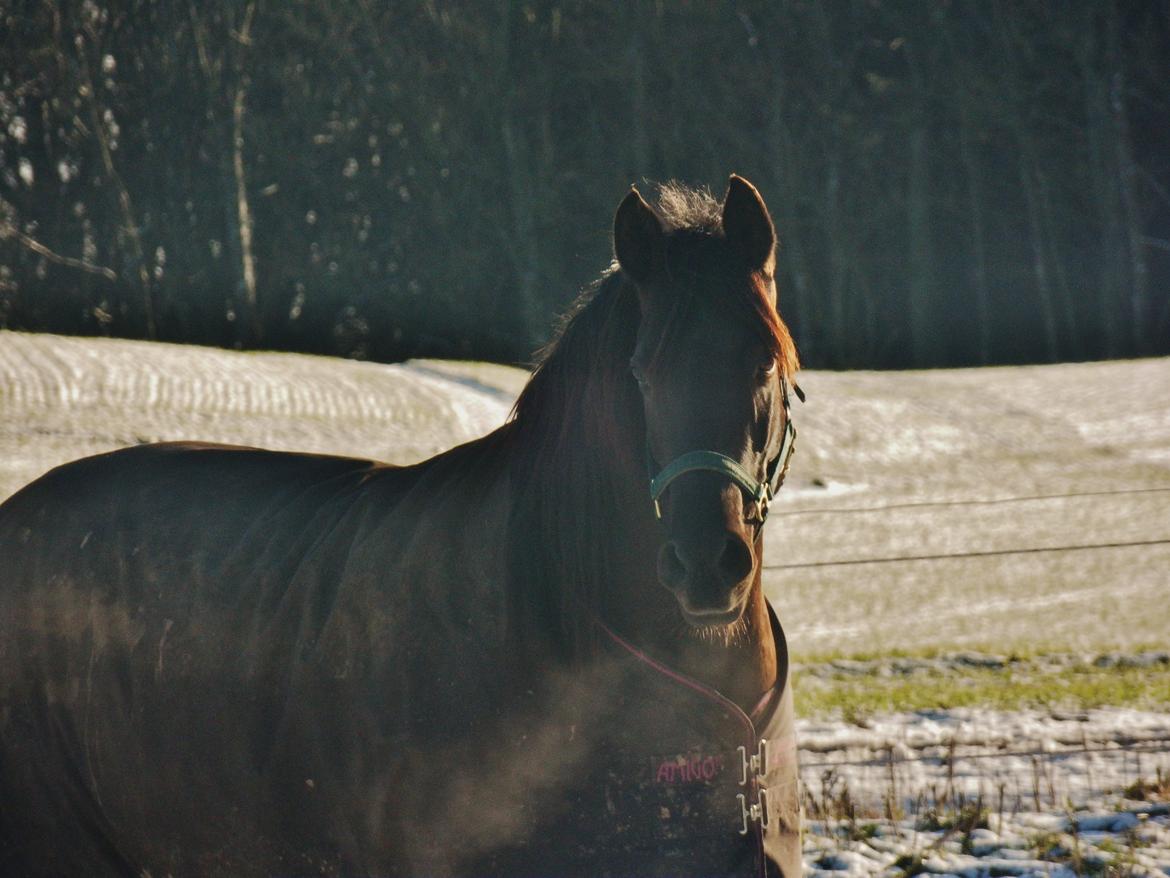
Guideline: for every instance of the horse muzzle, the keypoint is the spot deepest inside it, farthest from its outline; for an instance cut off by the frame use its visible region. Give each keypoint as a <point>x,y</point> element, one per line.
<point>711,582</point>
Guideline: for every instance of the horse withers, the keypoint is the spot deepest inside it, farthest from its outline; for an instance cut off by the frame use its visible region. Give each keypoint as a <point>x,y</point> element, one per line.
<point>544,652</point>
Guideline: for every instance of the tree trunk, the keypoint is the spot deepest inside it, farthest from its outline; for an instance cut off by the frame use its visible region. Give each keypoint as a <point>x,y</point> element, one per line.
<point>1040,269</point>
<point>1139,281</point>
<point>923,322</point>
<point>974,175</point>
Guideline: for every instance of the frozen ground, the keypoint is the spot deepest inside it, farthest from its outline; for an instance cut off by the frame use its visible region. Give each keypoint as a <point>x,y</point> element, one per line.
<point>976,792</point>
<point>986,466</point>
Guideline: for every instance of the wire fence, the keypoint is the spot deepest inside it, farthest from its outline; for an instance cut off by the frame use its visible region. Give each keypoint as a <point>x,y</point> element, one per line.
<point>986,553</point>
<point>990,553</point>
<point>994,501</point>
<point>953,754</point>
<point>1057,780</point>
<point>963,783</point>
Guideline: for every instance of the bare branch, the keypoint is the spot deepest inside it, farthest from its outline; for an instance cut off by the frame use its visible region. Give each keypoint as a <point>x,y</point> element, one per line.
<point>244,211</point>
<point>7,230</point>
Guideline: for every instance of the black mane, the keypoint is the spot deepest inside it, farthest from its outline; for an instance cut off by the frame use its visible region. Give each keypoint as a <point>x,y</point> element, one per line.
<point>577,419</point>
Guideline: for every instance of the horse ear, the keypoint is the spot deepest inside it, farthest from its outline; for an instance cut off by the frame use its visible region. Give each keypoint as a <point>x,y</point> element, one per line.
<point>748,226</point>
<point>638,238</point>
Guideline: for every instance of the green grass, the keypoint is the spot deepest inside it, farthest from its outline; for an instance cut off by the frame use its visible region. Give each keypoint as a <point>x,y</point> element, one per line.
<point>1014,687</point>
<point>1037,651</point>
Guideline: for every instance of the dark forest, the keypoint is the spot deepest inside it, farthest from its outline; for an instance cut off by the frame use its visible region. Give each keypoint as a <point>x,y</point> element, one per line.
<point>954,183</point>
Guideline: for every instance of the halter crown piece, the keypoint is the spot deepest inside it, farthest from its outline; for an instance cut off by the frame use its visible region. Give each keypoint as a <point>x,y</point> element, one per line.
<point>761,491</point>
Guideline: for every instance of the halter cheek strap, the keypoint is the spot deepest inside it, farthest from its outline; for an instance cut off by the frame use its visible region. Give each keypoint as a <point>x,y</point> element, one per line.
<point>761,491</point>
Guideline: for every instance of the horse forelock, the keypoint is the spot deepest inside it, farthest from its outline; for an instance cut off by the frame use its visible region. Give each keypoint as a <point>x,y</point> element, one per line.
<point>692,217</point>
<point>752,303</point>
<point>685,208</point>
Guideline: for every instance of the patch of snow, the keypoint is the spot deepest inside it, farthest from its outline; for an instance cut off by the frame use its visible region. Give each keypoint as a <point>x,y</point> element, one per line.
<point>1047,790</point>
<point>64,398</point>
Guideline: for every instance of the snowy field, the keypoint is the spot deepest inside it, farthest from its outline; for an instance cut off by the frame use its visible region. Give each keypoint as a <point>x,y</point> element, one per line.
<point>970,477</point>
<point>990,467</point>
<point>995,510</point>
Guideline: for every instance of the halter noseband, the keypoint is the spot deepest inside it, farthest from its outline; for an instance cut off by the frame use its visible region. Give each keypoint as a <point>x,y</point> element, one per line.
<point>761,491</point>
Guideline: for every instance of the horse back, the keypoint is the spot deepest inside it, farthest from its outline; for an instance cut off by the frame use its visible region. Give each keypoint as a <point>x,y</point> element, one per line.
<point>165,612</point>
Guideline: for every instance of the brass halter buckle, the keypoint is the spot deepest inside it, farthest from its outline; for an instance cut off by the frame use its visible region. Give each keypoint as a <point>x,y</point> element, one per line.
<point>762,499</point>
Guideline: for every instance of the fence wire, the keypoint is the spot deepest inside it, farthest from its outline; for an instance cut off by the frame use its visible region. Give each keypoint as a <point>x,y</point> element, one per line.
<point>1145,745</point>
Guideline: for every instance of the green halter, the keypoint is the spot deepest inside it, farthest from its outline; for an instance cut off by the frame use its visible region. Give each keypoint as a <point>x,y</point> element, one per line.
<point>761,491</point>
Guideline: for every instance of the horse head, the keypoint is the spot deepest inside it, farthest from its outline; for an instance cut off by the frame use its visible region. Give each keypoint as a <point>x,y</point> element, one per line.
<point>712,361</point>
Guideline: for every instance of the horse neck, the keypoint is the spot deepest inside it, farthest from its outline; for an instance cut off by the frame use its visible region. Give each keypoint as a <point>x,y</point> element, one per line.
<point>742,666</point>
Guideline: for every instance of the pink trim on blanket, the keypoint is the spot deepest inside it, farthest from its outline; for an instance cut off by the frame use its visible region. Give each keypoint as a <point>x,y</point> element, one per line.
<point>683,680</point>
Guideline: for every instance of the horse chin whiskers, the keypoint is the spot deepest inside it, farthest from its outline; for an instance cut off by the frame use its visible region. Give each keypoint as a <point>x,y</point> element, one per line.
<point>726,635</point>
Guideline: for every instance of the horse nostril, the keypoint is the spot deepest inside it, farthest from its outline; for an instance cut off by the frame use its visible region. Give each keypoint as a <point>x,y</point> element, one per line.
<point>672,569</point>
<point>736,561</point>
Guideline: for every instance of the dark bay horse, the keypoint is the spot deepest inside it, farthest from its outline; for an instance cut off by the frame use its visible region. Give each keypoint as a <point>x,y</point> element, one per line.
<point>544,652</point>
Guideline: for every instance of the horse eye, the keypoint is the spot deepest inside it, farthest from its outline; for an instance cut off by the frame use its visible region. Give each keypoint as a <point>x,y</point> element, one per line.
<point>767,370</point>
